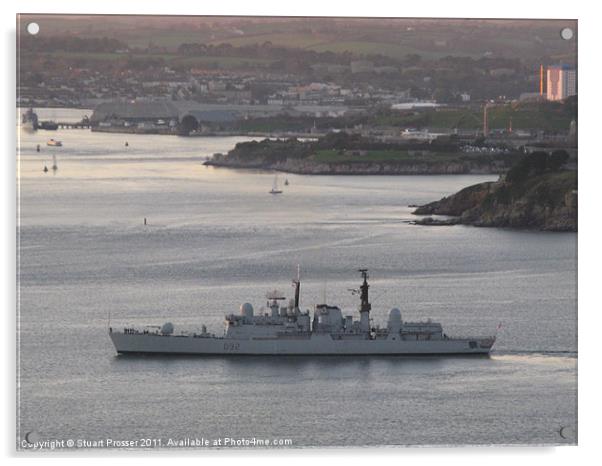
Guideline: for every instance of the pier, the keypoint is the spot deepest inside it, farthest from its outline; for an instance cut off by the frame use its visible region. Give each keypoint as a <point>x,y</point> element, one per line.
<point>51,125</point>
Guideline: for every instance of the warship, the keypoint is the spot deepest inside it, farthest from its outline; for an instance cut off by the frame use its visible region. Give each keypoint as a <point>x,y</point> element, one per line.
<point>286,330</point>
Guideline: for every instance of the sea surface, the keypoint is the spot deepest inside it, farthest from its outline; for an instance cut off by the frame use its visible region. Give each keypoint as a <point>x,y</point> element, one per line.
<point>215,239</point>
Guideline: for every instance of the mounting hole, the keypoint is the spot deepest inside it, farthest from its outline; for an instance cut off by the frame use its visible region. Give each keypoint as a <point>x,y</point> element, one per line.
<point>31,437</point>
<point>33,28</point>
<point>566,33</point>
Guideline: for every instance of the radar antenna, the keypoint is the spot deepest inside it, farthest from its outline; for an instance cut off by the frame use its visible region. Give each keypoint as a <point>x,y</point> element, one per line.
<point>275,295</point>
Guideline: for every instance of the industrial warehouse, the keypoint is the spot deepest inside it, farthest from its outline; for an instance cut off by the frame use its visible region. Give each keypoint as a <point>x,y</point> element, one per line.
<point>186,117</point>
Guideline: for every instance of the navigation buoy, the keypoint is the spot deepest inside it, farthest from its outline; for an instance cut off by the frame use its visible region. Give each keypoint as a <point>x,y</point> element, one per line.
<point>38,148</point>
<point>45,168</point>
<point>145,220</point>
<point>126,144</point>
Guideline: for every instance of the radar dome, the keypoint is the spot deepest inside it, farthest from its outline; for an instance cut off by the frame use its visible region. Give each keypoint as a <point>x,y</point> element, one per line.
<point>246,310</point>
<point>395,314</point>
<point>394,320</point>
<point>167,328</point>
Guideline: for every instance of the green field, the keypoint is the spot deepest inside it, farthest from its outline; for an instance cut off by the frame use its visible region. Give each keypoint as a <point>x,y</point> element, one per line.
<point>330,43</point>
<point>221,62</point>
<point>164,38</point>
<point>292,40</point>
<point>91,56</point>
<point>393,50</point>
<point>548,117</point>
<point>169,59</point>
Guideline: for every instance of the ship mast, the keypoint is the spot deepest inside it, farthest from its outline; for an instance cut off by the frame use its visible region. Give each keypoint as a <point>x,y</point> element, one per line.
<point>297,284</point>
<point>365,305</point>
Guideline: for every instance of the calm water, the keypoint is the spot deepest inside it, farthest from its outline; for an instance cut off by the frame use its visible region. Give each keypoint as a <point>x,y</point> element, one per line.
<point>215,238</point>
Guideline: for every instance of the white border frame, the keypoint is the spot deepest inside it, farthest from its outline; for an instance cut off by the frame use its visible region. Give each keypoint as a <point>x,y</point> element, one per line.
<point>589,172</point>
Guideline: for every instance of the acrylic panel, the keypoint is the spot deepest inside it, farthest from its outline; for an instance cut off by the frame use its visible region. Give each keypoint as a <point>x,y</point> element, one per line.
<point>274,232</point>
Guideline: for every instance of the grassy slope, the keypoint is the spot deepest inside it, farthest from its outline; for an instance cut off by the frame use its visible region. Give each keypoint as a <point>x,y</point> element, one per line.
<point>223,62</point>
<point>548,189</point>
<point>383,156</point>
<point>544,117</point>
<point>539,202</point>
<point>508,38</point>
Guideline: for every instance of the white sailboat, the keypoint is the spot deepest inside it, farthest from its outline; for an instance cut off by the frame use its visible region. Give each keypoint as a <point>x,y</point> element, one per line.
<point>275,189</point>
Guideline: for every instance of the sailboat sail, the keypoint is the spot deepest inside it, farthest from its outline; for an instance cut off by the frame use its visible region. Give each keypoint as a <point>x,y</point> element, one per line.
<point>275,189</point>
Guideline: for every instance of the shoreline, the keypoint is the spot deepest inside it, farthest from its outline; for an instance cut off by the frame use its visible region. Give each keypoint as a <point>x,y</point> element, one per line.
<point>380,169</point>
<point>217,134</point>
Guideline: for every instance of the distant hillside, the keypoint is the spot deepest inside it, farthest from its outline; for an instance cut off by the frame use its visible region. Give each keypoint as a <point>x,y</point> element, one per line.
<point>394,37</point>
<point>536,193</point>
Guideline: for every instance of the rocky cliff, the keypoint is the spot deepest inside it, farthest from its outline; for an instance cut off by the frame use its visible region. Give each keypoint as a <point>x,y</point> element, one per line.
<point>546,201</point>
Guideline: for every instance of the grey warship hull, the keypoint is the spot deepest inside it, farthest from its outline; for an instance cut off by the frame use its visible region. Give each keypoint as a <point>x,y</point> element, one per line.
<point>312,346</point>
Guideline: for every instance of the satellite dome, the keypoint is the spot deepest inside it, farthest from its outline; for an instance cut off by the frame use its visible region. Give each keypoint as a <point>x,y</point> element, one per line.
<point>167,328</point>
<point>395,314</point>
<point>394,320</point>
<point>246,310</point>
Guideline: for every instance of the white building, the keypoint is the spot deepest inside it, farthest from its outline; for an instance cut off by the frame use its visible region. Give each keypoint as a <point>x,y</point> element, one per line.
<point>561,82</point>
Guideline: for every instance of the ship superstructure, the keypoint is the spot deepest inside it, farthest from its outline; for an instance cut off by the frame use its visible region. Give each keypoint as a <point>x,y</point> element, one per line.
<point>29,120</point>
<point>286,330</point>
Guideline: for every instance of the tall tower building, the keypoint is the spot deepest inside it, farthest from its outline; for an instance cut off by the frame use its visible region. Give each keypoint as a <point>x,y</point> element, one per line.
<point>561,82</point>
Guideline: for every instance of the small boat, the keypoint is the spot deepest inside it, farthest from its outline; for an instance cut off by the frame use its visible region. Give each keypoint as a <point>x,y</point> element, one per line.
<point>286,182</point>
<point>54,143</point>
<point>275,189</point>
